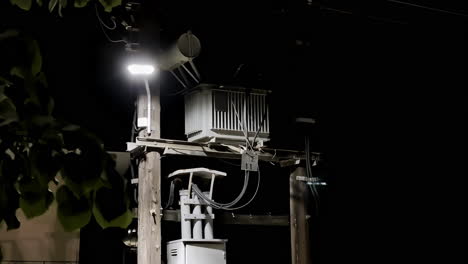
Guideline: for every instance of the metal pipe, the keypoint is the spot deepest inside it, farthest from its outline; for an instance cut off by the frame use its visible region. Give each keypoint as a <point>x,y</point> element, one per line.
<point>190,73</point>
<point>148,94</point>
<point>178,79</point>
<point>195,69</point>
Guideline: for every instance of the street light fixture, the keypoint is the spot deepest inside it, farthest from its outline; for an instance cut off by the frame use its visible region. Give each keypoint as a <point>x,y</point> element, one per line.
<point>140,69</point>
<point>144,70</point>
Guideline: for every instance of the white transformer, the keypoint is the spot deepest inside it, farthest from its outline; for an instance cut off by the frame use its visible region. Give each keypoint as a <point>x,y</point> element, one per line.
<point>222,114</point>
<point>197,246</point>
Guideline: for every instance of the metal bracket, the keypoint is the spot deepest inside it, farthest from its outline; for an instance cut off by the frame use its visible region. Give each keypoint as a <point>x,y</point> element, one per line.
<point>195,202</point>
<point>249,161</point>
<point>310,180</point>
<point>199,216</point>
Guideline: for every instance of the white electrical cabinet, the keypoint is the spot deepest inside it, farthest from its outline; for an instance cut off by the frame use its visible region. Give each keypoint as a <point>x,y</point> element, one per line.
<point>223,114</point>
<point>192,251</point>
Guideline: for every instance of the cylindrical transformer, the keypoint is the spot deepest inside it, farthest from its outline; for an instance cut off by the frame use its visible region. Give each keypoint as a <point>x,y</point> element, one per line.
<point>186,224</point>
<point>208,223</point>
<point>186,48</point>
<point>197,223</point>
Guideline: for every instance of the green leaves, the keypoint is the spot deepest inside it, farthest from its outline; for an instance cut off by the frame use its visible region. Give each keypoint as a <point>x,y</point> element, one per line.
<point>73,213</point>
<point>81,3</point>
<point>36,205</point>
<point>36,64</point>
<point>9,33</point>
<point>123,221</point>
<point>23,4</point>
<point>35,147</point>
<point>109,4</point>
<point>35,197</point>
<point>52,4</point>
<point>61,4</point>
<point>9,197</point>
<point>7,111</point>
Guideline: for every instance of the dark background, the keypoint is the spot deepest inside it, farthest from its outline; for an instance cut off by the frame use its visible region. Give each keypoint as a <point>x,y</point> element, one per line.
<point>384,81</point>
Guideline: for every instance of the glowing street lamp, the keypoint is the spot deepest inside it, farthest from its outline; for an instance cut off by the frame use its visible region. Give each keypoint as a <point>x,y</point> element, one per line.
<point>140,69</point>
<point>144,70</point>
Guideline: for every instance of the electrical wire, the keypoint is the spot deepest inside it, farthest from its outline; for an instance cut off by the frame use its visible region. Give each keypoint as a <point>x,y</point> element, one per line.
<point>242,126</point>
<point>186,154</point>
<point>261,125</point>
<point>428,8</point>
<point>101,24</point>
<point>232,203</point>
<point>170,200</point>
<point>202,196</point>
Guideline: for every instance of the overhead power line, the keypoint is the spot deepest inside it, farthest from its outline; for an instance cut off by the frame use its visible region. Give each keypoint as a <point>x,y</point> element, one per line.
<point>428,8</point>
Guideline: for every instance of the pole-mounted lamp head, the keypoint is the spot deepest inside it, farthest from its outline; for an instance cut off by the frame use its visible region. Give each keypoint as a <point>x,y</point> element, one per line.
<point>141,69</point>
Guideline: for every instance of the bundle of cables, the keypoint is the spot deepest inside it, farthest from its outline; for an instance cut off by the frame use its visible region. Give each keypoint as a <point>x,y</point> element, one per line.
<point>229,206</point>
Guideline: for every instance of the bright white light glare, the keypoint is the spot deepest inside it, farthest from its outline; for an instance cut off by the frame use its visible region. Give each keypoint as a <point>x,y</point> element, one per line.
<point>140,69</point>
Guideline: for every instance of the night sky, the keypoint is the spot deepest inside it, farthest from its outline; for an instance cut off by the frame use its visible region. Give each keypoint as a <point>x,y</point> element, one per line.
<point>383,80</point>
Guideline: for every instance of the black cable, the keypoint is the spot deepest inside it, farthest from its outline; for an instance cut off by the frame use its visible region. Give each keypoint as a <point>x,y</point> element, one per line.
<point>428,8</point>
<point>102,22</point>
<point>105,33</point>
<point>209,201</point>
<point>170,200</point>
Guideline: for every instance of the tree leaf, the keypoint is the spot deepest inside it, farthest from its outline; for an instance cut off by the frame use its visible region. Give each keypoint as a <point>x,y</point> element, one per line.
<point>122,221</point>
<point>9,197</point>
<point>109,4</point>
<point>9,33</point>
<point>73,213</point>
<point>35,197</point>
<point>52,4</point>
<point>81,3</point>
<point>81,173</point>
<point>18,71</point>
<point>37,206</point>
<point>7,111</point>
<point>62,4</point>
<point>4,82</point>
<point>39,3</point>
<point>41,79</point>
<point>46,161</point>
<point>50,106</point>
<point>23,4</point>
<point>36,63</point>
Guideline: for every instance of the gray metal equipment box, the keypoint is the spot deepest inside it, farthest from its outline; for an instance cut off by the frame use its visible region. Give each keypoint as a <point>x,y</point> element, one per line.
<point>216,113</point>
<point>192,251</point>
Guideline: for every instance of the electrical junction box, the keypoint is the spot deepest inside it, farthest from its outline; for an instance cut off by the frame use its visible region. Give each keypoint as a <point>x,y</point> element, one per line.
<point>215,113</point>
<point>193,251</point>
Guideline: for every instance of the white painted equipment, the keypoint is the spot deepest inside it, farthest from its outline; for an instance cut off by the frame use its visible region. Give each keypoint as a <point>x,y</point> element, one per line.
<point>224,114</point>
<point>197,245</point>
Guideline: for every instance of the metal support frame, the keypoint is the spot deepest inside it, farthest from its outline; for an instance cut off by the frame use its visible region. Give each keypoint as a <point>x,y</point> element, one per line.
<point>236,219</point>
<point>284,158</point>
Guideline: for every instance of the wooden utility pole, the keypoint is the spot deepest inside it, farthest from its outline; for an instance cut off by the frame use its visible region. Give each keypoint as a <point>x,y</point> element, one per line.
<point>149,191</point>
<point>298,201</point>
